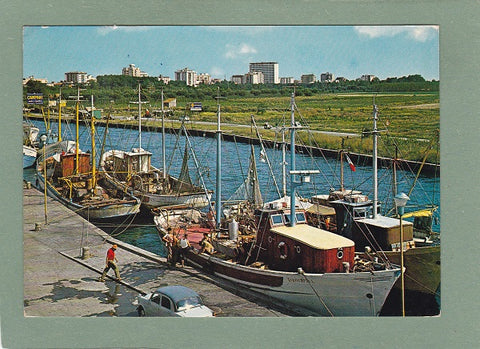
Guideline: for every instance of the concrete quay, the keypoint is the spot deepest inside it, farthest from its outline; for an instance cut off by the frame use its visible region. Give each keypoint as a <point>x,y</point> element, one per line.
<point>64,258</point>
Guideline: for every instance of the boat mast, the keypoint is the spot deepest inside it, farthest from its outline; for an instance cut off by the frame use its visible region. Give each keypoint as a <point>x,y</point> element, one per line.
<point>139,116</point>
<point>284,163</point>
<point>394,173</point>
<point>77,130</point>
<point>218,202</point>
<point>94,181</point>
<point>341,165</point>
<point>59,116</point>
<point>292,161</point>
<point>374,160</point>
<point>163,142</point>
<point>259,136</point>
<point>139,119</point>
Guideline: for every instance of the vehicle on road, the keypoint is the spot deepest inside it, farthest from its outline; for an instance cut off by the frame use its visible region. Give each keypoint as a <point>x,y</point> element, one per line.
<point>176,300</point>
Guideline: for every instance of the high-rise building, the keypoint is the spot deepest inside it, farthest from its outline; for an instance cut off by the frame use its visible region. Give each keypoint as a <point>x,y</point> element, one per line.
<point>187,75</point>
<point>287,80</point>
<point>76,77</point>
<point>308,78</point>
<point>367,77</point>
<point>204,78</point>
<point>131,70</point>
<point>253,78</point>
<point>269,70</point>
<point>236,79</point>
<point>327,77</point>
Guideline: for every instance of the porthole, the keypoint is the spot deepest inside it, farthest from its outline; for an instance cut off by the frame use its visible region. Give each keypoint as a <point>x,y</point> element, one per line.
<point>340,253</point>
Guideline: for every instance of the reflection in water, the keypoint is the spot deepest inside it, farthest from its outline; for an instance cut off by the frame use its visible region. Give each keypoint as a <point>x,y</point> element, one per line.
<point>113,293</point>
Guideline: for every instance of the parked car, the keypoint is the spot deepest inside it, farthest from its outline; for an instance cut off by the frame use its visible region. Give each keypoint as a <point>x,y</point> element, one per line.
<point>173,301</point>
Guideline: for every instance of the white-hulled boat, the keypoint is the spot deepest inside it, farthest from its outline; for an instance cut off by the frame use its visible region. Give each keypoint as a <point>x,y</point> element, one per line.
<point>298,264</point>
<point>30,133</point>
<point>29,156</point>
<point>133,171</point>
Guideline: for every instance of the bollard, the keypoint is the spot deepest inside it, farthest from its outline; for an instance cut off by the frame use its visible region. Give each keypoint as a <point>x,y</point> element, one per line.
<point>86,253</point>
<point>38,227</point>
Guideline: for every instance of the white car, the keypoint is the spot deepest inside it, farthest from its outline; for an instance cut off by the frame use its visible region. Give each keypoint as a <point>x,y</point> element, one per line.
<point>173,301</point>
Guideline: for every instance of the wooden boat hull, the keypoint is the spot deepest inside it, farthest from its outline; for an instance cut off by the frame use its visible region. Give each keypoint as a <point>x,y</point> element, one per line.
<point>101,213</point>
<point>189,195</point>
<point>198,200</point>
<point>422,269</point>
<point>329,294</point>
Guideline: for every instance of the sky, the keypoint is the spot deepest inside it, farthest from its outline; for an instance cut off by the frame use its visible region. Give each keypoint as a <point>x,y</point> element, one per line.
<point>223,51</point>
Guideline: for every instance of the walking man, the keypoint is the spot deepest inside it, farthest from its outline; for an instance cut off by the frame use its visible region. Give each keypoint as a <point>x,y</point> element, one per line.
<point>111,263</point>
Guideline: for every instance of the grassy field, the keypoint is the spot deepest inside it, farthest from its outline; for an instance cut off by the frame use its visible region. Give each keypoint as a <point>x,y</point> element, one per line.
<point>411,118</point>
<point>408,118</point>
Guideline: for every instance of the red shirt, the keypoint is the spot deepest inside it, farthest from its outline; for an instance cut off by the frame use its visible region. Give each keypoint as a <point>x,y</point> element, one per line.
<point>111,254</point>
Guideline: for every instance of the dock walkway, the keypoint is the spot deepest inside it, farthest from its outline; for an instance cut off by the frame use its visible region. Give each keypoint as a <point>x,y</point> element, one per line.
<point>60,277</point>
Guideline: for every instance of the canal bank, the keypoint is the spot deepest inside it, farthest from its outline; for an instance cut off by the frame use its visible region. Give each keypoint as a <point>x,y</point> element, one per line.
<point>63,260</point>
<point>427,169</point>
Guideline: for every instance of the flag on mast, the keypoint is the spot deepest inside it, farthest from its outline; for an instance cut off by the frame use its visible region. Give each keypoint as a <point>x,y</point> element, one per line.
<point>350,163</point>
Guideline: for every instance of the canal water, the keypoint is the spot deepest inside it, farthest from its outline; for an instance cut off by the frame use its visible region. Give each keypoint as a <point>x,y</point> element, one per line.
<point>235,160</point>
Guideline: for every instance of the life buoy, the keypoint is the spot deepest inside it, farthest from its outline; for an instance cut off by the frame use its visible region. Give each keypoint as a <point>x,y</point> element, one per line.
<point>270,239</point>
<point>283,250</point>
<point>298,249</point>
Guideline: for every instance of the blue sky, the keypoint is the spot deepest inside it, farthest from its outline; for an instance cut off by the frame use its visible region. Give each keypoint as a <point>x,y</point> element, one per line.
<point>348,51</point>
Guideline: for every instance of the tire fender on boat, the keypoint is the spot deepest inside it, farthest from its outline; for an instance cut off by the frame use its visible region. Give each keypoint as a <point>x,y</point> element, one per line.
<point>283,250</point>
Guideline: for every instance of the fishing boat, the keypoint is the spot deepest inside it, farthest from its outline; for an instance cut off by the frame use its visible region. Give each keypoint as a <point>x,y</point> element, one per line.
<point>358,218</point>
<point>133,171</point>
<point>29,156</point>
<point>297,264</point>
<point>30,133</point>
<point>71,178</point>
<point>238,211</point>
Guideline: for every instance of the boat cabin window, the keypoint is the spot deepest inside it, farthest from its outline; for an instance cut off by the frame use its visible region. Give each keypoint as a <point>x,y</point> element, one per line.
<point>276,219</point>
<point>300,216</point>
<point>360,212</point>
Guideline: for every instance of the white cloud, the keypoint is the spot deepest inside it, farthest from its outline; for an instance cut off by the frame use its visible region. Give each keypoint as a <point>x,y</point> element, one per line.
<point>129,29</point>
<point>418,33</point>
<point>238,51</point>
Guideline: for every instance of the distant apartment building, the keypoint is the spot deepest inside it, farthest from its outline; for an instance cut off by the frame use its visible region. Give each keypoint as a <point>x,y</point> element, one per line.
<point>367,77</point>
<point>341,79</point>
<point>78,77</point>
<point>253,78</point>
<point>186,75</point>
<point>269,70</point>
<point>287,80</point>
<point>204,78</point>
<point>236,79</point>
<point>131,70</point>
<point>164,79</point>
<point>327,77</point>
<point>308,78</point>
